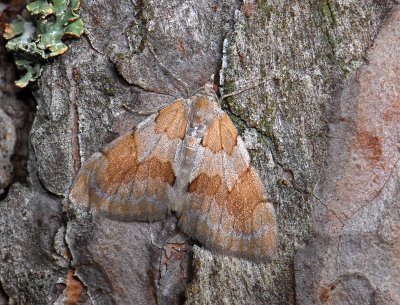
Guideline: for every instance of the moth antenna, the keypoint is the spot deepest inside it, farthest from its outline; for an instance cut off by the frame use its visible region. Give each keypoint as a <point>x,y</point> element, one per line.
<point>141,113</point>
<point>242,90</point>
<point>209,86</point>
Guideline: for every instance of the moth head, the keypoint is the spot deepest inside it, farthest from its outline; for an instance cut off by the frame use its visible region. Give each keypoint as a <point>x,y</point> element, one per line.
<point>203,110</point>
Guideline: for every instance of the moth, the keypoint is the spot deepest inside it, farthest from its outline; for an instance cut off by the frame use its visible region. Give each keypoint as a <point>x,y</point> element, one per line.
<point>188,159</point>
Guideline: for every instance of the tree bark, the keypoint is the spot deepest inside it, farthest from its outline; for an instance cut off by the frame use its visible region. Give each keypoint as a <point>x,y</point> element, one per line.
<point>318,116</point>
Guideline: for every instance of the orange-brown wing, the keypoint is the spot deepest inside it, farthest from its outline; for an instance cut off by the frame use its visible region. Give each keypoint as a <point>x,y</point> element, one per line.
<point>132,178</point>
<point>226,208</point>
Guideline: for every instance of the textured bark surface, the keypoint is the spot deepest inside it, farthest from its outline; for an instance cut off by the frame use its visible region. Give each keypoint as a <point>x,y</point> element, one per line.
<point>319,119</point>
<point>354,257</point>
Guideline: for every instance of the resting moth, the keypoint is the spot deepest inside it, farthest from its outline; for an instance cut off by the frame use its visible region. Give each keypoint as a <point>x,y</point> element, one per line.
<point>189,159</point>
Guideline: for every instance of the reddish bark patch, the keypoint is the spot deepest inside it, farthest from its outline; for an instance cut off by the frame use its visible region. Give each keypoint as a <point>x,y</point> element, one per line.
<point>248,9</point>
<point>369,144</point>
<point>393,113</point>
<point>324,295</point>
<point>181,47</point>
<point>73,290</point>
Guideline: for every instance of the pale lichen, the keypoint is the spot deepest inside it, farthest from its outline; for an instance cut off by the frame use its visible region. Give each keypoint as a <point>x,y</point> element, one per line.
<point>37,34</point>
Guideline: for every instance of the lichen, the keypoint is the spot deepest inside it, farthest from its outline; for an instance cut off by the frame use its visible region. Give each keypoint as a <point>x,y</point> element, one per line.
<point>266,12</point>
<point>328,10</point>
<point>138,32</point>
<point>110,91</point>
<point>36,35</point>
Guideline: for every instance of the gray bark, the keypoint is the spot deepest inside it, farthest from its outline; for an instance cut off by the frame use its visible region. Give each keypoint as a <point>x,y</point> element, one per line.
<point>310,107</point>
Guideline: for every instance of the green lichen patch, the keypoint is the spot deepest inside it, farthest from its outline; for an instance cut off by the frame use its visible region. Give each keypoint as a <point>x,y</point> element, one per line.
<point>40,8</point>
<point>266,12</point>
<point>38,34</point>
<point>32,72</point>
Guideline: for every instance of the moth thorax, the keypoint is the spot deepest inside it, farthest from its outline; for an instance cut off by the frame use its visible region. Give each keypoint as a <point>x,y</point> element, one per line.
<point>192,143</point>
<point>194,135</point>
<point>203,113</point>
